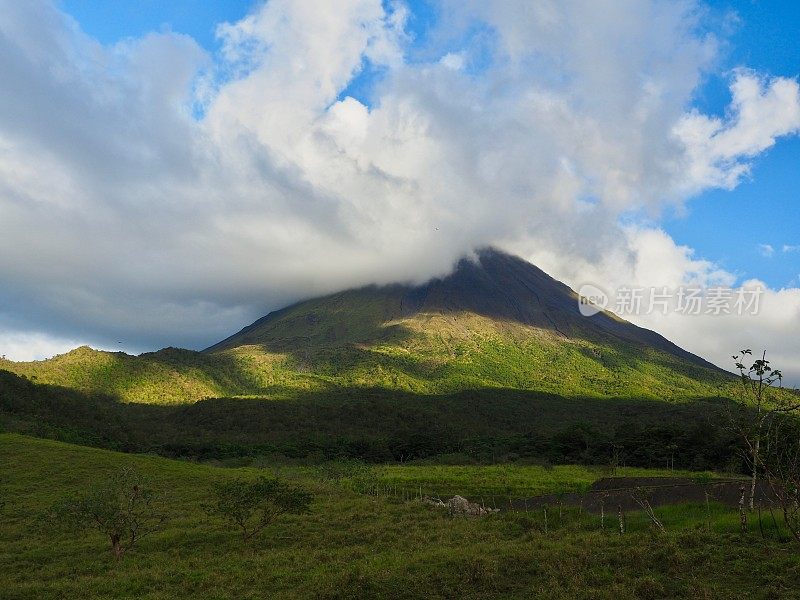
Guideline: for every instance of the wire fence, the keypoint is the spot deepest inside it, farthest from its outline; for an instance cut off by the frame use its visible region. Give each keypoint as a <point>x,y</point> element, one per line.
<point>713,505</point>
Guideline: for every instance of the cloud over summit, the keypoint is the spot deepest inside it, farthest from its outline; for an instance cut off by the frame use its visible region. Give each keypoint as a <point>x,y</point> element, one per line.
<point>157,194</point>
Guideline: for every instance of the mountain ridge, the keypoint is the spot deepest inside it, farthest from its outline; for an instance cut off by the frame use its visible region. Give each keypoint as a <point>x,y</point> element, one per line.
<point>479,288</point>
<point>495,323</point>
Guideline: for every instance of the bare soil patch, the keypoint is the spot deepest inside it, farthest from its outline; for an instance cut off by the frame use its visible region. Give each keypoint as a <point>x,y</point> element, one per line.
<point>660,491</point>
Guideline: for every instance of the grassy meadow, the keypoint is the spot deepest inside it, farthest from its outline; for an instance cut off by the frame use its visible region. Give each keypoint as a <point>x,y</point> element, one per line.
<point>354,545</point>
<point>499,483</point>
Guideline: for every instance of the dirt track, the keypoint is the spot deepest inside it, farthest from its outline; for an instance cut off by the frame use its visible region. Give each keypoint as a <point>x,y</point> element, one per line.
<point>660,491</point>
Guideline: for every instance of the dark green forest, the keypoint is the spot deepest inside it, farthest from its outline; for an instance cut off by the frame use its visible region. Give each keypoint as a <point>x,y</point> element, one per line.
<point>375,425</point>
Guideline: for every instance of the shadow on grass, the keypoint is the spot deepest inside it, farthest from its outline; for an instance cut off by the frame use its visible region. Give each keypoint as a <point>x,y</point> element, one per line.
<point>377,425</point>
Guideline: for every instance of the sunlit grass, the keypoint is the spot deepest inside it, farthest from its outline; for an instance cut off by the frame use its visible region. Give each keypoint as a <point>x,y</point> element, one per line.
<point>360,546</point>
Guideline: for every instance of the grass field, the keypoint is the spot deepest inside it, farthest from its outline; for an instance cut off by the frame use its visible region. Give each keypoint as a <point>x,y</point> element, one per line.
<point>501,482</point>
<point>359,546</point>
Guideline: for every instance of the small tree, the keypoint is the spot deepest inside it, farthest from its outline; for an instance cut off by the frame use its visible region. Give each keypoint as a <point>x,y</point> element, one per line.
<point>758,381</point>
<point>781,462</point>
<point>124,508</point>
<point>251,506</point>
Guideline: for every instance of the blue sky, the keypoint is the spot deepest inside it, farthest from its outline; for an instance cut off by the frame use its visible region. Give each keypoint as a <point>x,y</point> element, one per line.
<point>729,227</point>
<point>114,20</point>
<point>761,211</point>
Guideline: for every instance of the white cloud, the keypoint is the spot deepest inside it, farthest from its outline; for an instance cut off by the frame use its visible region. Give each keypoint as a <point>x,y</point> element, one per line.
<point>124,217</point>
<point>790,248</point>
<point>717,150</point>
<point>649,258</point>
<point>766,250</point>
<point>33,346</point>
<point>453,60</point>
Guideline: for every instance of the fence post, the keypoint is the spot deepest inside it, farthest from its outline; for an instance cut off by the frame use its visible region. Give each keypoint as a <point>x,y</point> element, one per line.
<point>545,518</point>
<point>742,512</point>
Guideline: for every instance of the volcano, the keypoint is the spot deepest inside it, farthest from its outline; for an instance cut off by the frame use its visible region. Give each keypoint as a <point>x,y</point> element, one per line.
<point>496,286</point>
<point>496,322</point>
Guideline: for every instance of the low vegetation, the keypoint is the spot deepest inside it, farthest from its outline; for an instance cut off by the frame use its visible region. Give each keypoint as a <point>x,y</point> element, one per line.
<point>357,545</point>
<point>251,506</point>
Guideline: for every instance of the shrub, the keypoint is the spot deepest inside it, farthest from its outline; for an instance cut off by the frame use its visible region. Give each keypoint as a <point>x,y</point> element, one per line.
<point>351,474</point>
<point>251,506</point>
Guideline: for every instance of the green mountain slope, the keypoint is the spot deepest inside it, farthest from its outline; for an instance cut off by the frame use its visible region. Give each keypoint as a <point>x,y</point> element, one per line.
<point>499,322</point>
